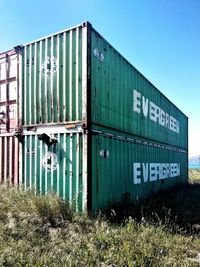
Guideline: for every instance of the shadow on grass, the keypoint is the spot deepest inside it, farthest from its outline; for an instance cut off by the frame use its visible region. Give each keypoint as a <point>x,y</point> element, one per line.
<point>177,208</point>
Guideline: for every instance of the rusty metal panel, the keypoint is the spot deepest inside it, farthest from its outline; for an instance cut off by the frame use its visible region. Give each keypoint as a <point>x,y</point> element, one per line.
<point>9,160</point>
<point>9,90</point>
<point>129,169</point>
<point>56,167</point>
<point>123,99</point>
<point>53,78</point>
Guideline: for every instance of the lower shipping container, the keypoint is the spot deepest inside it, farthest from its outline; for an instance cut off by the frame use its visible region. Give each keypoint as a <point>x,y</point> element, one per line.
<point>55,168</point>
<point>130,169</point>
<point>96,175</point>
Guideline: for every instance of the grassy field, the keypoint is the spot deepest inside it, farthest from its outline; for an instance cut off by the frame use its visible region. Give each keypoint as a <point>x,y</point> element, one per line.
<point>194,176</point>
<point>43,231</point>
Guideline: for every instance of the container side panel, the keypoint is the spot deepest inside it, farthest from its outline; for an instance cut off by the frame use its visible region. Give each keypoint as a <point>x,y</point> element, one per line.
<point>52,79</point>
<point>127,169</point>
<point>8,92</point>
<point>9,160</point>
<point>56,168</point>
<point>123,99</point>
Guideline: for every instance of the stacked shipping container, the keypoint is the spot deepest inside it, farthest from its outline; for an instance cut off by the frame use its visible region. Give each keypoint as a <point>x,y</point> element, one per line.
<point>90,126</point>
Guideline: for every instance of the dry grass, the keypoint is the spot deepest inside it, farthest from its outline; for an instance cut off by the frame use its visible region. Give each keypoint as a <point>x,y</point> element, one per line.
<point>44,231</point>
<point>194,175</point>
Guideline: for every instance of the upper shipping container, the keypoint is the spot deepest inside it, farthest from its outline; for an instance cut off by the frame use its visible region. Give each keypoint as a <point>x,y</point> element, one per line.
<point>77,76</point>
<point>122,98</point>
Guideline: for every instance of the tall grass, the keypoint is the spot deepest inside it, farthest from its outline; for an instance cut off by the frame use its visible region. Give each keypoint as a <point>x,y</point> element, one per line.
<point>44,231</point>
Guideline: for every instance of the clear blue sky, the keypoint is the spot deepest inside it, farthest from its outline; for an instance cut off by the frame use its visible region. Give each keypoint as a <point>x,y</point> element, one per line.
<point>161,38</point>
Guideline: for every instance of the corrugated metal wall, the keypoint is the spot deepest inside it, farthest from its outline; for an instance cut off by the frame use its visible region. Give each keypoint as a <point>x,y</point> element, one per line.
<point>102,115</point>
<point>57,168</point>
<point>9,89</point>
<point>117,158</point>
<point>9,160</point>
<point>9,116</point>
<point>52,79</point>
<point>54,102</point>
<point>123,99</point>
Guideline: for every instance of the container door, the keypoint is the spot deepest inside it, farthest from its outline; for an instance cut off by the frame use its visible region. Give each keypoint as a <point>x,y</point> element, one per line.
<point>54,167</point>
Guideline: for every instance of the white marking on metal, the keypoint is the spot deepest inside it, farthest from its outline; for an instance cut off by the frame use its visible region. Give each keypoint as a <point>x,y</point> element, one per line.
<point>99,55</point>
<point>77,72</point>
<point>70,77</point>
<point>50,161</point>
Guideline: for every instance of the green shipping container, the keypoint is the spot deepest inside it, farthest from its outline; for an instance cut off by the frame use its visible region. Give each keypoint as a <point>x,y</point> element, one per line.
<point>100,169</point>
<point>76,76</point>
<point>129,169</point>
<point>94,129</point>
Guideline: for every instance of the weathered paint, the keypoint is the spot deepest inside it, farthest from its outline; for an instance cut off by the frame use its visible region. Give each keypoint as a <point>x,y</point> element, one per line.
<point>123,99</point>
<point>9,116</point>
<point>57,168</point>
<point>54,78</point>
<point>133,168</point>
<point>87,125</point>
<point>9,90</point>
<point>9,160</point>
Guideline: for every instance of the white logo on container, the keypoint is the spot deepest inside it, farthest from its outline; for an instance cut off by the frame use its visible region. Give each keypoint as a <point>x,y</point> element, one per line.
<point>50,161</point>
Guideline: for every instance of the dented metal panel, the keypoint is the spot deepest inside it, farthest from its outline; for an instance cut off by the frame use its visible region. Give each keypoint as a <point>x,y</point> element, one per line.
<point>55,168</point>
<point>129,169</point>
<point>123,99</point>
<point>53,74</point>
